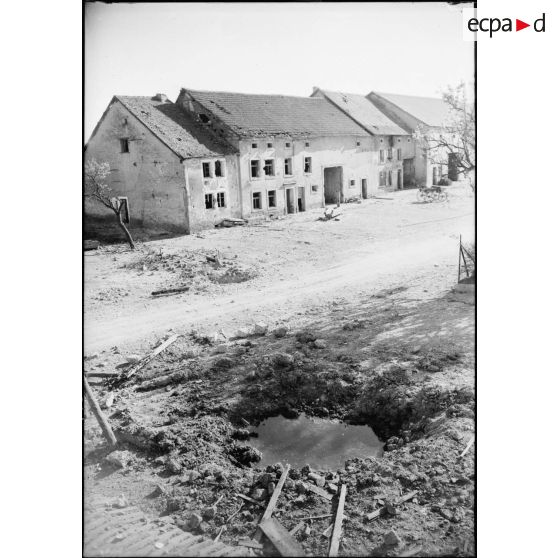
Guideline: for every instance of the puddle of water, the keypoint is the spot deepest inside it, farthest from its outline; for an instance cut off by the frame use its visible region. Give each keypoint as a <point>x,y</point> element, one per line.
<point>320,443</point>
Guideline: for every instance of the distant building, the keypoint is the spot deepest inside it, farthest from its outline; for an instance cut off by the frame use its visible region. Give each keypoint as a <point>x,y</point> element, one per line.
<point>185,166</point>
<point>414,113</point>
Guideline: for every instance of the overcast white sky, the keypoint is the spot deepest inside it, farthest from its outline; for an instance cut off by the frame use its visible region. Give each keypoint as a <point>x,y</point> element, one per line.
<point>143,49</point>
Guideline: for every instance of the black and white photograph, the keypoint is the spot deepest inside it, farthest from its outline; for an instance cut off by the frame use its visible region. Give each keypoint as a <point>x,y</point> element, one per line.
<point>279,279</point>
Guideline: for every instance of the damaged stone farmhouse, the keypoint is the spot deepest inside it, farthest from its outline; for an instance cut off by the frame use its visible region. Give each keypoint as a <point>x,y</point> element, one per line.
<point>185,166</point>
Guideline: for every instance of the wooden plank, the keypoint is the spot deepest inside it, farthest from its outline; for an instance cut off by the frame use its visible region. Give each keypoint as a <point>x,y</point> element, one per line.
<point>285,543</point>
<point>319,491</point>
<point>273,501</point>
<point>406,498</point>
<point>467,448</point>
<point>101,419</point>
<point>249,543</point>
<point>336,537</point>
<point>170,291</point>
<point>136,367</point>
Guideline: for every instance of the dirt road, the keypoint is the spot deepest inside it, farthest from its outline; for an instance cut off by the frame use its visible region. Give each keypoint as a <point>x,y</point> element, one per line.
<point>374,247</point>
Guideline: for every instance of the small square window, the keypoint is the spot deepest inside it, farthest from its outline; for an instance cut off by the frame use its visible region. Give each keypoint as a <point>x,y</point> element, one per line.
<point>288,166</point>
<point>358,143</point>
<point>221,199</point>
<point>254,146</point>
<point>206,169</point>
<point>307,144</point>
<point>269,167</point>
<point>352,183</point>
<point>307,164</point>
<point>269,145</point>
<point>124,145</point>
<point>257,200</point>
<point>381,140</point>
<point>314,188</point>
<point>219,168</point>
<point>271,199</point>
<point>398,140</point>
<point>288,144</point>
<point>255,168</point>
<point>209,202</point>
<point>408,140</point>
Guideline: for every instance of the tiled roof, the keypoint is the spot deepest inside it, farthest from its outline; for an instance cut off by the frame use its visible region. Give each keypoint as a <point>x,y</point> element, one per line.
<point>429,110</point>
<point>178,130</point>
<point>274,115</point>
<point>364,112</point>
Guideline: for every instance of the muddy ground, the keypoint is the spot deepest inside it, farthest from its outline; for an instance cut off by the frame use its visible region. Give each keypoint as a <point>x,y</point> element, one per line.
<point>396,354</point>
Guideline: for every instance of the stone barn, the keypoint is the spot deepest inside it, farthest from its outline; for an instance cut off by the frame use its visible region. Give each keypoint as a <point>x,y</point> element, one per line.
<point>171,173</point>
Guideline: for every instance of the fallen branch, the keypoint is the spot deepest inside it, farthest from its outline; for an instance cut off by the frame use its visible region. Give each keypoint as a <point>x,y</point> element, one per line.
<point>150,356</point>
<point>336,537</point>
<point>170,291</point>
<point>103,423</point>
<point>234,513</point>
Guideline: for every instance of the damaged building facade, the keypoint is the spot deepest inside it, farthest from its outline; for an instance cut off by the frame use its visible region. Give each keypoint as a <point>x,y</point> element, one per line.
<point>188,165</point>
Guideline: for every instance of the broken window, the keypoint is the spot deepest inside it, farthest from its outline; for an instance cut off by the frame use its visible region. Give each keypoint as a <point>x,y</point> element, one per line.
<point>124,209</point>
<point>219,168</point>
<point>257,200</point>
<point>399,154</point>
<point>124,146</point>
<point>209,203</point>
<point>307,164</point>
<point>206,169</point>
<point>382,156</point>
<point>255,168</point>
<point>314,188</point>
<point>271,199</point>
<point>220,199</point>
<point>288,166</point>
<point>269,167</point>
<point>382,178</point>
<point>351,184</point>
<point>269,145</point>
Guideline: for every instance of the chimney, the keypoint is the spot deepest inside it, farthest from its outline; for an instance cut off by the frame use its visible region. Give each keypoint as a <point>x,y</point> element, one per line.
<point>161,97</point>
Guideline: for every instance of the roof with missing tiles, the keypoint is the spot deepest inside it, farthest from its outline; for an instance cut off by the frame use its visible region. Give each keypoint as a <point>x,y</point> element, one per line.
<point>249,115</point>
<point>429,110</point>
<point>364,112</point>
<point>175,128</point>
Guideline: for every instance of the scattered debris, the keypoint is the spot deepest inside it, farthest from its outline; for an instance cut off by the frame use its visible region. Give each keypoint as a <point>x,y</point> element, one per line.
<point>90,245</point>
<point>392,538</point>
<point>138,366</point>
<point>231,222</point>
<point>467,447</point>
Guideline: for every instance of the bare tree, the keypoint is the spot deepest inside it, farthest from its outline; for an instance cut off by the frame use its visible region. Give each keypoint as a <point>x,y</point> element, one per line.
<point>97,189</point>
<point>457,139</point>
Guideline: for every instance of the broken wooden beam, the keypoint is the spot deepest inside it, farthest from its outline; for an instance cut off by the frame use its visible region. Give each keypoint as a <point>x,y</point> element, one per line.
<point>249,543</point>
<point>173,378</point>
<point>297,528</point>
<point>380,511</point>
<point>273,501</point>
<point>319,491</point>
<point>336,537</point>
<point>101,374</point>
<point>101,419</point>
<point>139,365</point>
<point>281,539</point>
<point>170,291</point>
<point>406,498</point>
